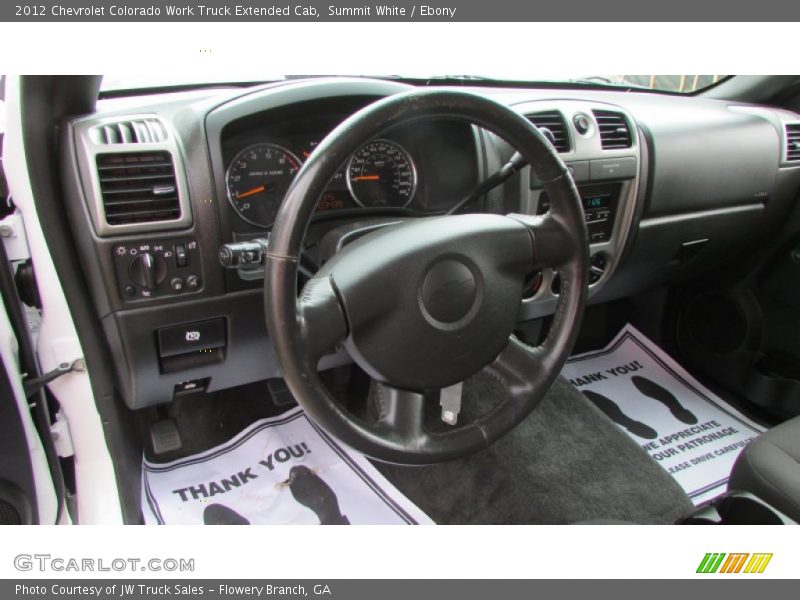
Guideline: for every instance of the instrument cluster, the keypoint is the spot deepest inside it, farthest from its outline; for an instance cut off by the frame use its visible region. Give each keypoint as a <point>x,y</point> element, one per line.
<point>420,169</point>
<point>381,174</point>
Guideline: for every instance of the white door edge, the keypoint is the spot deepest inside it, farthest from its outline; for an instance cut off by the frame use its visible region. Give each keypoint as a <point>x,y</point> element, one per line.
<point>96,487</point>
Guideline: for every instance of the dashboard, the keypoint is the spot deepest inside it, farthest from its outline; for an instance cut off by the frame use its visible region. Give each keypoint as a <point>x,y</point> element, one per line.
<point>157,186</point>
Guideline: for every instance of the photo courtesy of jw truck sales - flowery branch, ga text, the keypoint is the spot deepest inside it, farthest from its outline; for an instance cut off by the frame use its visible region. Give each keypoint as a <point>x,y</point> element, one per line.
<point>143,590</point>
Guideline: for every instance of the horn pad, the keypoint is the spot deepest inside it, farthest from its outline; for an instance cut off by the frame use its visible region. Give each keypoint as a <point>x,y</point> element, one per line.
<point>432,301</point>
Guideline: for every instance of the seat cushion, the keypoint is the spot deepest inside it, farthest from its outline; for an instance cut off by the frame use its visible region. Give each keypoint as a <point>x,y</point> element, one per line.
<point>769,467</point>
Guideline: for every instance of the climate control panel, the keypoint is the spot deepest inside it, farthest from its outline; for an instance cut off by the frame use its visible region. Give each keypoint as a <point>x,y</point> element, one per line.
<point>157,269</point>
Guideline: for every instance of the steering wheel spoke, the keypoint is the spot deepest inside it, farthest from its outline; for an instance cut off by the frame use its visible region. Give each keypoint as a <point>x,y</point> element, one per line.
<point>553,243</point>
<point>399,413</point>
<point>322,321</point>
<point>518,365</point>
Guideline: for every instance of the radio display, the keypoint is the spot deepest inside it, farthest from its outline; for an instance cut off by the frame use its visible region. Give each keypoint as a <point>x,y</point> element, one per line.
<point>596,201</point>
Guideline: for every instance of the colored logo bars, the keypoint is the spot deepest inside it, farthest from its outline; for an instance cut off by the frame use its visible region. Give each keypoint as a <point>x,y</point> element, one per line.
<point>742,562</point>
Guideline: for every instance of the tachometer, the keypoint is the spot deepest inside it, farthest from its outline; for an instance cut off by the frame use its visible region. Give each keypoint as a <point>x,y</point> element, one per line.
<point>258,178</point>
<point>382,174</point>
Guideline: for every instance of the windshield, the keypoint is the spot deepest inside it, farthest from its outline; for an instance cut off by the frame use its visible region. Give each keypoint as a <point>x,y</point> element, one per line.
<point>685,84</point>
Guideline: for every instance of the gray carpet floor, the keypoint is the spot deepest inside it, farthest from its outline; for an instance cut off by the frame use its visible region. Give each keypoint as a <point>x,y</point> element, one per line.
<point>566,463</point>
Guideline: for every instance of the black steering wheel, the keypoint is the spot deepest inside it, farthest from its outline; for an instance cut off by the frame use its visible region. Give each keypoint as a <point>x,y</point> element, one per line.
<point>425,304</point>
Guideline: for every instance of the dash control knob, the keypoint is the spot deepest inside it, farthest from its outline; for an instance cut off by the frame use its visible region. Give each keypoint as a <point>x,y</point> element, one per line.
<point>147,270</point>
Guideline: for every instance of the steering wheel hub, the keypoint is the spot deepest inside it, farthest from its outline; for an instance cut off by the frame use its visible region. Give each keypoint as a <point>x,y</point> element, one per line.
<point>449,292</point>
<point>429,302</point>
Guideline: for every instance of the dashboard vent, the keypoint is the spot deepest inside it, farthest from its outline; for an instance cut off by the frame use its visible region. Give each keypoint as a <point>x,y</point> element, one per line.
<point>792,141</point>
<point>614,129</point>
<point>553,121</point>
<point>138,187</point>
<point>136,131</point>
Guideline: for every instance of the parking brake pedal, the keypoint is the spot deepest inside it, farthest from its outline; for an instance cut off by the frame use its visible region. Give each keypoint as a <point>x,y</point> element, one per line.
<point>450,400</point>
<point>165,437</point>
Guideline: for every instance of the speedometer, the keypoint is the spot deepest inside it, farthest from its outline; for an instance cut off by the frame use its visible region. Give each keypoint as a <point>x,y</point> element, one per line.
<point>258,178</point>
<point>382,174</point>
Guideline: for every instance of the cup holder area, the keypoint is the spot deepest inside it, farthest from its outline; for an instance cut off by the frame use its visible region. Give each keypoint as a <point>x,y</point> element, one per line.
<point>774,384</point>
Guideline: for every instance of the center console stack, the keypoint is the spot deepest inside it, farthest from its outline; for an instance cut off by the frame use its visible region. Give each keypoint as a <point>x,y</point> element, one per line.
<point>600,145</point>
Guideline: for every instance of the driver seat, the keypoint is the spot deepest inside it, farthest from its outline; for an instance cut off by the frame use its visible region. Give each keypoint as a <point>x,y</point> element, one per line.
<point>769,467</point>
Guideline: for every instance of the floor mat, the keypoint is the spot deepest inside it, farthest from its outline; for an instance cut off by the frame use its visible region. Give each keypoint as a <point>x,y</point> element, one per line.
<point>282,470</point>
<point>687,429</point>
<point>564,463</point>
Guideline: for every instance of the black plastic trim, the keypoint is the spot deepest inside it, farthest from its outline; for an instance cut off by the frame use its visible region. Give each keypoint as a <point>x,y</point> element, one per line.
<point>46,101</point>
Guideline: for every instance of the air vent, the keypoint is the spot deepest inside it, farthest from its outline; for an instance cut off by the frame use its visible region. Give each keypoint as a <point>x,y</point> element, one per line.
<point>135,131</point>
<point>792,141</point>
<point>138,187</point>
<point>553,121</point>
<point>614,129</point>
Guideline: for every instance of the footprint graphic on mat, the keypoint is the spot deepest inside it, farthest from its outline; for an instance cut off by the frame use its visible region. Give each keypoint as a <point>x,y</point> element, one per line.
<point>652,390</point>
<point>614,412</point>
<point>219,514</point>
<point>310,490</point>
<point>307,488</point>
